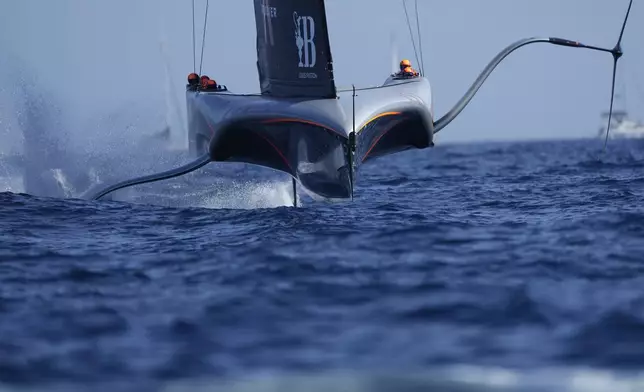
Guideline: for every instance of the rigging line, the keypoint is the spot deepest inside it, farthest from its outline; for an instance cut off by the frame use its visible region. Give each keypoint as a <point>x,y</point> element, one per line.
<point>203,39</point>
<point>194,48</point>
<point>411,33</point>
<point>612,99</point>
<point>420,42</point>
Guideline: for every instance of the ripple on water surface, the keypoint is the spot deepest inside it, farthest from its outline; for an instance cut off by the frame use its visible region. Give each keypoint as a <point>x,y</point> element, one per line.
<point>521,260</point>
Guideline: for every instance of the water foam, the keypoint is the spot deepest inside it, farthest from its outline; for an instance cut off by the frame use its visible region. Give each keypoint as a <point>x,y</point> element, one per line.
<point>250,195</point>
<point>52,148</point>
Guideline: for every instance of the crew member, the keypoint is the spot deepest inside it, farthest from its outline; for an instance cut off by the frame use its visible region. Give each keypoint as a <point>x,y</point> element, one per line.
<point>406,70</point>
<point>409,72</point>
<point>193,79</point>
<point>204,81</point>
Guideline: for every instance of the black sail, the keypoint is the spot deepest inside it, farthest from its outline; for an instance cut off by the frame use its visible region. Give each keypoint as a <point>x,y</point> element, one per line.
<point>293,50</point>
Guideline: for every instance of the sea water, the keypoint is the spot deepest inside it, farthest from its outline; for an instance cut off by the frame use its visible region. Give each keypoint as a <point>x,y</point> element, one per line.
<point>485,266</point>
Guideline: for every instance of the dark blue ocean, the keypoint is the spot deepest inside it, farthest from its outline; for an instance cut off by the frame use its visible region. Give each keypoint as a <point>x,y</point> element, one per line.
<point>507,266</point>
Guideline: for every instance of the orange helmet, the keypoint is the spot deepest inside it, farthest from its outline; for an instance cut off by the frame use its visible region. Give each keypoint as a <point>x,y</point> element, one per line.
<point>404,64</point>
<point>408,70</point>
<point>193,78</point>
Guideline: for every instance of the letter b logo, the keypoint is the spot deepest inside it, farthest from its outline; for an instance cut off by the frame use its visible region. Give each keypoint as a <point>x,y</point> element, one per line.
<point>304,36</point>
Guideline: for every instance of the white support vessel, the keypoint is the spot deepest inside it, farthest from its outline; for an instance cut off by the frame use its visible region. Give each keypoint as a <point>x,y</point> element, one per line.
<point>622,126</point>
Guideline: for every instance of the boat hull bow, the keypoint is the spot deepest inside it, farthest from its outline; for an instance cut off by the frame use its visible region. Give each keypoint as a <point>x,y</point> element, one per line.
<point>297,138</point>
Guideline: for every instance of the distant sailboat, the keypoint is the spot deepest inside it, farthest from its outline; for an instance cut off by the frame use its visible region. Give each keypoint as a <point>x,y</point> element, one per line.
<point>622,126</point>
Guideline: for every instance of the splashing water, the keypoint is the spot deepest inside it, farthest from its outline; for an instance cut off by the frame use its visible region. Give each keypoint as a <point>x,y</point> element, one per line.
<point>58,155</point>
<point>248,195</point>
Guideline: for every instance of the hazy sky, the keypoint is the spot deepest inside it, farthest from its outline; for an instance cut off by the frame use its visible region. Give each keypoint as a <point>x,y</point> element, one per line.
<point>99,55</point>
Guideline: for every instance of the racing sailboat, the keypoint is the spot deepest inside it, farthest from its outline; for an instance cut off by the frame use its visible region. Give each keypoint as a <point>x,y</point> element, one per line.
<point>300,123</point>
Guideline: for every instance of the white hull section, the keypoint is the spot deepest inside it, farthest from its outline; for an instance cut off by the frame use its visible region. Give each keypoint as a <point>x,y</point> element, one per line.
<point>626,129</point>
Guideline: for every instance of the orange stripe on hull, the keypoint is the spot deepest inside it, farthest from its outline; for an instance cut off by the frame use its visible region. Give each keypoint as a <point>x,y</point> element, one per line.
<point>382,134</point>
<point>380,116</point>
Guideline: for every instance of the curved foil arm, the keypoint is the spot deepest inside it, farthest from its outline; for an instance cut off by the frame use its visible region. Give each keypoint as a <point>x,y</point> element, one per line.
<point>179,171</point>
<point>460,105</point>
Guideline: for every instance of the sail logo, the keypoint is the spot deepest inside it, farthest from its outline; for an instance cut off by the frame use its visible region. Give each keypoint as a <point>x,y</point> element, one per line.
<point>304,40</point>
